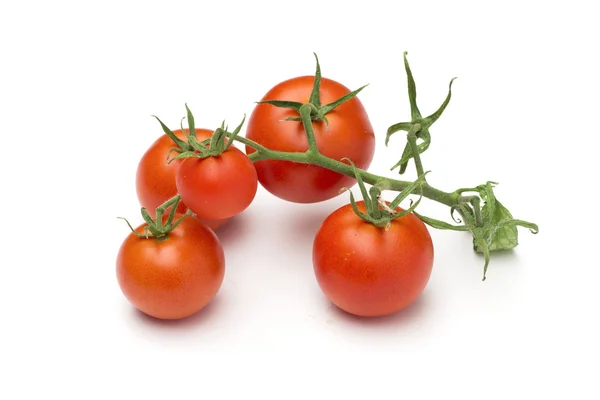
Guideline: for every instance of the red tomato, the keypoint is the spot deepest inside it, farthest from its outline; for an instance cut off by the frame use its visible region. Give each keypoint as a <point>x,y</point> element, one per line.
<point>349,134</point>
<point>369,271</point>
<point>174,277</point>
<point>217,187</point>
<point>155,179</point>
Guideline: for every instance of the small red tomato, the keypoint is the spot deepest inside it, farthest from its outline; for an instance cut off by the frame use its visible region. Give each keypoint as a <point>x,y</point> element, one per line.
<point>370,271</point>
<point>217,187</point>
<point>348,134</point>
<point>155,178</point>
<point>174,277</point>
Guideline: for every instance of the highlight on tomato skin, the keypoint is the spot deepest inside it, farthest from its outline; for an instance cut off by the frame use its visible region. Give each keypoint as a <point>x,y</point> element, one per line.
<point>367,270</point>
<point>348,133</point>
<point>174,277</point>
<point>155,177</point>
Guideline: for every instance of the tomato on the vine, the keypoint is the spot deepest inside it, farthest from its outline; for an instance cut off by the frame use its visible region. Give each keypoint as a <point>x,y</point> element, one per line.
<point>218,186</point>
<point>175,276</point>
<point>155,178</point>
<point>347,133</point>
<point>368,270</point>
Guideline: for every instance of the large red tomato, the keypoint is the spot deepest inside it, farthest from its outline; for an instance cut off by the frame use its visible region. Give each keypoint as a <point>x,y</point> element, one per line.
<point>174,277</point>
<point>349,134</point>
<point>370,271</point>
<point>155,178</point>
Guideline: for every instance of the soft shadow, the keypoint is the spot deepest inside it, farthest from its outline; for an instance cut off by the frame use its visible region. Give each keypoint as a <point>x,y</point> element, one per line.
<point>308,222</point>
<point>406,317</point>
<point>233,230</point>
<point>146,324</point>
<point>506,258</point>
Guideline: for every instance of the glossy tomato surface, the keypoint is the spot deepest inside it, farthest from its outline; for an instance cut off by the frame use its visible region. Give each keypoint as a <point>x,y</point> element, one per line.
<point>349,134</point>
<point>370,271</point>
<point>217,187</point>
<point>175,277</point>
<point>155,178</point>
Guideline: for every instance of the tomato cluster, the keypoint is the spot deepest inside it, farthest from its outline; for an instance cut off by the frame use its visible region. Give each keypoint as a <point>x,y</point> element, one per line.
<point>363,268</point>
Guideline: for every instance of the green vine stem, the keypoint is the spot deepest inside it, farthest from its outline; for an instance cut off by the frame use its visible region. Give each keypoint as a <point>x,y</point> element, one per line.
<point>489,222</point>
<point>491,225</point>
<point>314,157</point>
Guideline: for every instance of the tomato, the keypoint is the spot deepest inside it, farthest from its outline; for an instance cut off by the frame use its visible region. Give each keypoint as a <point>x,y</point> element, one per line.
<point>155,178</point>
<point>370,271</point>
<point>349,134</point>
<point>174,277</point>
<point>217,187</point>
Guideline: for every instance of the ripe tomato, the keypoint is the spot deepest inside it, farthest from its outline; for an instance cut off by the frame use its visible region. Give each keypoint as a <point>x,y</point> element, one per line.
<point>217,187</point>
<point>174,277</point>
<point>369,271</point>
<point>155,179</point>
<point>349,134</point>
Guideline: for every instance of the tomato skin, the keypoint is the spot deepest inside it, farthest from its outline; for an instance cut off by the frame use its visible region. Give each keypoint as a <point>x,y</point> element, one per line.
<point>217,187</point>
<point>175,277</point>
<point>155,179</point>
<point>368,271</point>
<point>349,134</point>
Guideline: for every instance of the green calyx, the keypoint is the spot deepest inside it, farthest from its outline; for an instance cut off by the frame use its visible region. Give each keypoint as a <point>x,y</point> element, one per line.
<point>379,212</point>
<point>492,225</point>
<point>191,147</point>
<point>157,228</point>
<point>419,125</point>
<point>318,111</point>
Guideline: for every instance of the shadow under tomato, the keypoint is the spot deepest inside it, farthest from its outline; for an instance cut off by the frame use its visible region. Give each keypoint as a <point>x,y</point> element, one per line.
<point>309,218</point>
<point>202,317</point>
<point>233,230</point>
<point>407,316</point>
<point>308,224</point>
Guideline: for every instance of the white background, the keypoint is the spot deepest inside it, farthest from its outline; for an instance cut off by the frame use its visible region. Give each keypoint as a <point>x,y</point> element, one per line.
<point>79,82</point>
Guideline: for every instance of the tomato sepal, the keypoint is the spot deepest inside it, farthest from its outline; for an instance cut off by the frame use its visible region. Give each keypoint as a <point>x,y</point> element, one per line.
<point>156,228</point>
<point>378,211</point>
<point>318,111</point>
